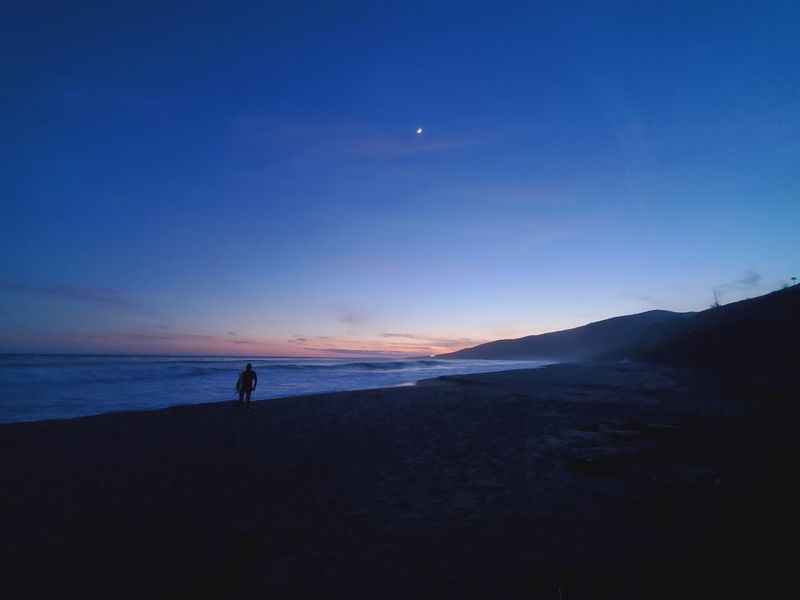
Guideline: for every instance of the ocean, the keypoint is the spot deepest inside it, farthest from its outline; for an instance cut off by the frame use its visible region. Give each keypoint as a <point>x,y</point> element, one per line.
<point>37,387</point>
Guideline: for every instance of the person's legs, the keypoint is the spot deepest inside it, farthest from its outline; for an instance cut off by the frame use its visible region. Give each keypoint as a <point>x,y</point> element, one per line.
<point>241,396</point>
<point>247,396</point>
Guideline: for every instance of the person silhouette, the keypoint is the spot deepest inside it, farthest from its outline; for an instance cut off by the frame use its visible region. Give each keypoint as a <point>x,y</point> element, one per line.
<point>246,384</point>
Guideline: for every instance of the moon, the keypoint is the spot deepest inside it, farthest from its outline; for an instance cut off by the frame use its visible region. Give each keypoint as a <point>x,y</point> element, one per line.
<point>419,130</point>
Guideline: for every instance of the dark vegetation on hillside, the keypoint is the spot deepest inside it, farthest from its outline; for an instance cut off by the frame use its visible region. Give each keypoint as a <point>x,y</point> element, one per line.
<point>759,333</point>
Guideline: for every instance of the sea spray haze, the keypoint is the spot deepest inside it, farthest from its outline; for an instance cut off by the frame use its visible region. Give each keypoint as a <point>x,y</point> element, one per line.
<point>35,387</point>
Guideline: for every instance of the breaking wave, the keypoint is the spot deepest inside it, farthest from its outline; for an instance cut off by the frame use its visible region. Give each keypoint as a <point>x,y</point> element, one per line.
<point>35,387</point>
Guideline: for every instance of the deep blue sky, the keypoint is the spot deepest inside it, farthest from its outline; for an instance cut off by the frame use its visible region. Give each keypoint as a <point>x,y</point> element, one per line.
<point>246,177</point>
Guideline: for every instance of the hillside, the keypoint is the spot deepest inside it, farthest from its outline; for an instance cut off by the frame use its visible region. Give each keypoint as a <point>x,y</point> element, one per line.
<point>581,343</point>
<point>761,332</point>
<point>758,332</point>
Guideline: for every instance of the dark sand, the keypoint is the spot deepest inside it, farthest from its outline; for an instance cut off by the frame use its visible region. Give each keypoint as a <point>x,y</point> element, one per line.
<point>572,481</point>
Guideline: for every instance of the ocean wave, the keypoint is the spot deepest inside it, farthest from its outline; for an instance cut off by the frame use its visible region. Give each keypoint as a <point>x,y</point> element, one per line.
<point>87,371</point>
<point>367,366</point>
<point>206,364</point>
<point>41,387</point>
<point>16,362</point>
<point>133,371</point>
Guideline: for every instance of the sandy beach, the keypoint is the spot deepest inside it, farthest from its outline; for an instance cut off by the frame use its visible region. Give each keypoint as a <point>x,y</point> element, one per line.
<point>573,480</point>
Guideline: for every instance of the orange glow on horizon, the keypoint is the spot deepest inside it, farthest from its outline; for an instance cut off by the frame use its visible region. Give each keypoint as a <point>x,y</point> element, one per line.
<point>231,345</point>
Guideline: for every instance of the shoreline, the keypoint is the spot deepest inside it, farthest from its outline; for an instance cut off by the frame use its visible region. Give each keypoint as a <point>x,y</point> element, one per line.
<point>72,391</point>
<point>536,478</point>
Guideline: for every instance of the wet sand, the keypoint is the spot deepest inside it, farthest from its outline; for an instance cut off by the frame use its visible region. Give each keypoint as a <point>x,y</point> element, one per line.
<point>570,481</point>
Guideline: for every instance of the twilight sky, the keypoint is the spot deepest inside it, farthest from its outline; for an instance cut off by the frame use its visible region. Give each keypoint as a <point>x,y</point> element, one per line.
<point>245,178</point>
